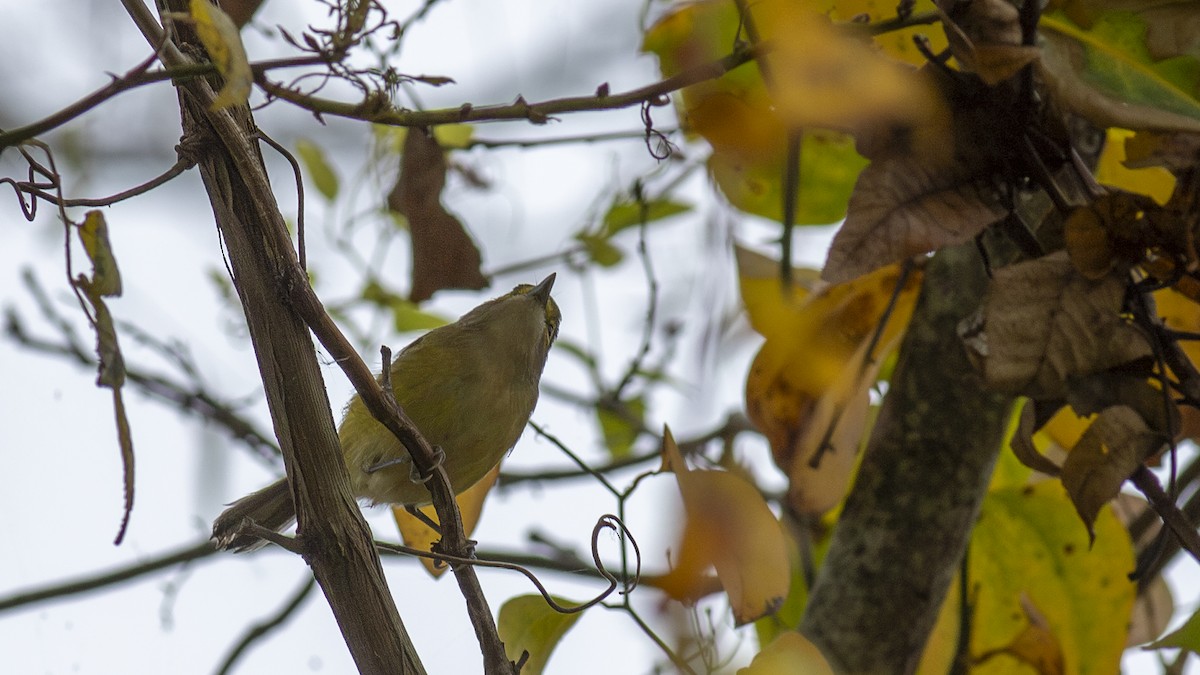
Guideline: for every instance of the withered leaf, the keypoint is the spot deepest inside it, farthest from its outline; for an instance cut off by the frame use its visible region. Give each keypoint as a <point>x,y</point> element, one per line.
<point>902,207</point>
<point>985,38</point>
<point>1042,323</point>
<point>1152,612</point>
<point>1089,394</point>
<point>1022,442</point>
<point>1086,239</point>
<point>1107,453</point>
<point>1178,152</point>
<point>442,251</point>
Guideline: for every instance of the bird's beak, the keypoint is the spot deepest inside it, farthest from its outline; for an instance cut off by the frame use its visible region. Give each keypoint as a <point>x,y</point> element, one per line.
<point>542,290</point>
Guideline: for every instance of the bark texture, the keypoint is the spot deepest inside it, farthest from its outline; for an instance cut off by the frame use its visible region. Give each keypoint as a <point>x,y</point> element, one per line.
<point>263,261</point>
<point>907,519</point>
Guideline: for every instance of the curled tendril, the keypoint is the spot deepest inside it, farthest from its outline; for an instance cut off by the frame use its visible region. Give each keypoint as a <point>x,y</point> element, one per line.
<point>33,187</point>
<point>657,144</point>
<point>605,522</point>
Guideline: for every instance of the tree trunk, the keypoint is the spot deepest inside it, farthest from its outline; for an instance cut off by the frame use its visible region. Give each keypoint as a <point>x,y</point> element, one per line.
<point>907,520</point>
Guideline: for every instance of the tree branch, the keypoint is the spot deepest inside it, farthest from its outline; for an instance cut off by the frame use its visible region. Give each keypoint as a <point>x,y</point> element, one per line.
<point>263,263</point>
<point>100,581</point>
<point>378,111</point>
<point>265,628</point>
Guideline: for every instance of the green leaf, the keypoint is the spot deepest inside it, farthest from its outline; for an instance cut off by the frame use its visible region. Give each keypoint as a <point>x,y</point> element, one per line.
<point>527,624</point>
<point>620,431</point>
<point>578,351</point>
<point>1186,637</point>
<point>406,315</point>
<point>599,250</point>
<point>321,172</point>
<point>624,214</point>
<point>1107,73</point>
<point>1028,542</point>
<point>829,167</point>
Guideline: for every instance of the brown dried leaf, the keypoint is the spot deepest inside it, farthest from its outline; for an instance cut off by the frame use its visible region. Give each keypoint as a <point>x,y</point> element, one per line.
<point>443,254</point>
<point>1090,394</point>
<point>1152,612</point>
<point>1037,644</point>
<point>1109,451</point>
<point>902,207</point>
<point>1022,443</point>
<point>985,38</point>
<point>1041,323</point>
<point>1087,243</point>
<point>1177,152</point>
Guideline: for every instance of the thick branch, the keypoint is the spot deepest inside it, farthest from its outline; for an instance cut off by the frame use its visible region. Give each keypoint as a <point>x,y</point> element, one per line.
<point>907,520</point>
<point>261,257</point>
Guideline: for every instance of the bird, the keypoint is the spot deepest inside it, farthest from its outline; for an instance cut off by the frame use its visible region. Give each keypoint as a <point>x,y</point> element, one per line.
<point>470,388</point>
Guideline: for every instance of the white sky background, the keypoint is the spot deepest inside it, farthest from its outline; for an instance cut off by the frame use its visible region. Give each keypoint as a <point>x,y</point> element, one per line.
<point>61,497</point>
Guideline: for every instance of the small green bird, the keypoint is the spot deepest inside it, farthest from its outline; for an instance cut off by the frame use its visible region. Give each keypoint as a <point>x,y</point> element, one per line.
<point>469,387</point>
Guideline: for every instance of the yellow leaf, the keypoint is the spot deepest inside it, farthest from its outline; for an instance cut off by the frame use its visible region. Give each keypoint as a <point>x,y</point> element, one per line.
<point>898,44</point>
<point>1036,645</point>
<point>729,527</point>
<point>824,77</point>
<point>1028,543</point>
<point>1065,428</point>
<point>753,181</point>
<point>1180,313</point>
<point>418,535</point>
<point>736,115</point>
<point>814,367</point>
<point>106,277</point>
<point>768,305</point>
<point>1154,181</point>
<point>791,653</point>
<point>223,42</point>
<point>527,624</point>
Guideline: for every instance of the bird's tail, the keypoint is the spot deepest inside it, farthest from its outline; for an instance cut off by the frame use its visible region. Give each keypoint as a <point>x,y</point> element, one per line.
<point>270,507</point>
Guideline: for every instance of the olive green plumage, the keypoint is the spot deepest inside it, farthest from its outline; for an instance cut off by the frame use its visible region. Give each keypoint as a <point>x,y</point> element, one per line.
<point>470,388</point>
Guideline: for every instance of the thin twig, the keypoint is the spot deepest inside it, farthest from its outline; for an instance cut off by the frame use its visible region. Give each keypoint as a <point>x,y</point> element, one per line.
<point>735,424</point>
<point>190,398</point>
<point>374,110</point>
<point>608,521</point>
<point>260,630</point>
<point>1185,532</point>
<point>102,580</point>
<point>635,365</point>
<point>301,249</point>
